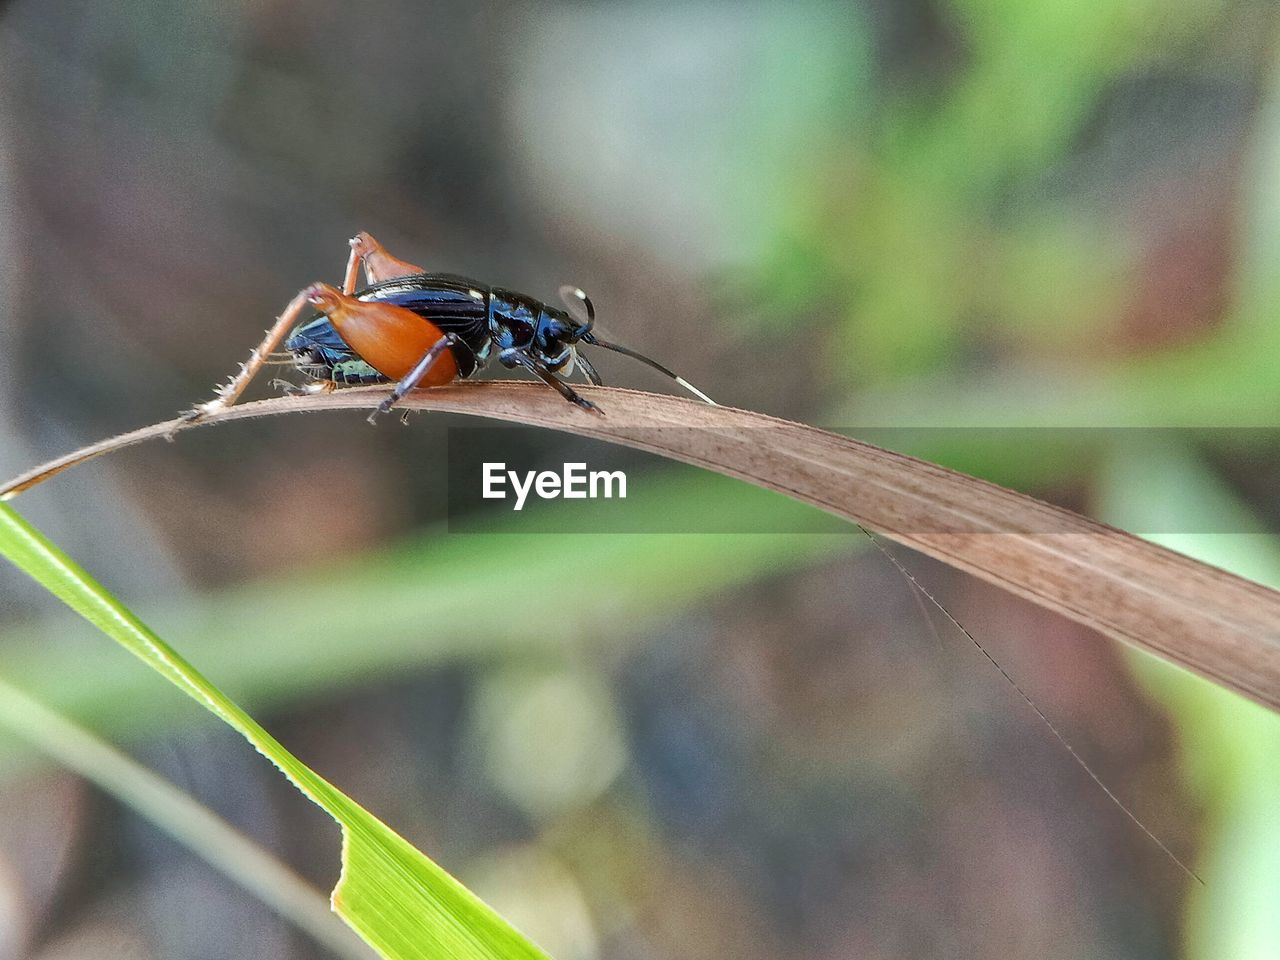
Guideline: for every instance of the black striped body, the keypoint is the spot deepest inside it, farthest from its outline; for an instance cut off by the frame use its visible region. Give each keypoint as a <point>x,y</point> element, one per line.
<point>480,315</point>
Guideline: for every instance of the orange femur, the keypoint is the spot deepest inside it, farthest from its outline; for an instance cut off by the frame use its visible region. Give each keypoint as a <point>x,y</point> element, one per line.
<point>390,339</point>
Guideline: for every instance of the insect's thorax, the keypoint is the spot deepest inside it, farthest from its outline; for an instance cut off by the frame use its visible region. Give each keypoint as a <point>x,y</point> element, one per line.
<point>513,319</point>
<point>520,322</point>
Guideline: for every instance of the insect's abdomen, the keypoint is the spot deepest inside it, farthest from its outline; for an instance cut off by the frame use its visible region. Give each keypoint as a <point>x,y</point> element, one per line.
<point>320,353</point>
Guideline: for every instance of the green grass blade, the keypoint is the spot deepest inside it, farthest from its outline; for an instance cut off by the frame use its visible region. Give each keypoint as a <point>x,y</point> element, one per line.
<point>638,581</point>
<point>403,904</point>
<point>180,815</point>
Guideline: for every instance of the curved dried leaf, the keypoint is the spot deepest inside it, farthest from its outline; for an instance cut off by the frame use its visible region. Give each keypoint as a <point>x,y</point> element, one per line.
<point>1209,621</point>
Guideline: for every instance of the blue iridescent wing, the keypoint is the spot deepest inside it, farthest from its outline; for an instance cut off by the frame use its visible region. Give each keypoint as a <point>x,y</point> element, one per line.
<point>453,303</point>
<point>321,353</point>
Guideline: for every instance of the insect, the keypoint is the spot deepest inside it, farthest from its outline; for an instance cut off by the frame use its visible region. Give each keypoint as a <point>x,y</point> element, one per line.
<point>414,328</point>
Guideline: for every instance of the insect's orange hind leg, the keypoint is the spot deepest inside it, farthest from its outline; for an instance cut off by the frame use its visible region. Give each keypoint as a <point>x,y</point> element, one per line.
<point>379,265</point>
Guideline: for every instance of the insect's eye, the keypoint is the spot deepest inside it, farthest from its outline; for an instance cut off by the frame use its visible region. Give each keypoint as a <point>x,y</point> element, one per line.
<point>521,329</point>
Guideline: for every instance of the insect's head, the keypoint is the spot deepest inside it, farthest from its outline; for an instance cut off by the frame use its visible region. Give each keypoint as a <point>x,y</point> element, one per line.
<point>557,328</point>
<point>555,334</point>
<point>561,329</point>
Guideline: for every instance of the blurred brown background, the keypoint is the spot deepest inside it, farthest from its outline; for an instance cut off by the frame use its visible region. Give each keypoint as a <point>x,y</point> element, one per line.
<point>940,212</point>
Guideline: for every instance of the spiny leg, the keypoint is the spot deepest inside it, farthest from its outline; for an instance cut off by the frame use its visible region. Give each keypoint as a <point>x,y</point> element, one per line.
<point>230,392</point>
<point>378,265</point>
<point>515,358</point>
<point>414,376</point>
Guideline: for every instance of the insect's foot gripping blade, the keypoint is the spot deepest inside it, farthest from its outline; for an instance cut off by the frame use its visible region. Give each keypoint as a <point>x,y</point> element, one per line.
<point>585,404</point>
<point>202,410</point>
<point>383,407</point>
<point>196,414</point>
<point>185,419</point>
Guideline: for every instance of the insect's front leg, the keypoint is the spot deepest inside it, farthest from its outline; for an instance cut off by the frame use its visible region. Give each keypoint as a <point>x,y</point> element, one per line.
<point>414,376</point>
<point>587,367</point>
<point>518,358</point>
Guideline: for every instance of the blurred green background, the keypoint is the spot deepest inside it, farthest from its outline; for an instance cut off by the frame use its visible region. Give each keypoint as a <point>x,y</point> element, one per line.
<point>972,213</point>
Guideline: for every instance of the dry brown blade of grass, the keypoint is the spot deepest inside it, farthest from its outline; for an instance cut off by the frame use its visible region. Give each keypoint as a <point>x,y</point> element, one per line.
<point>1216,624</point>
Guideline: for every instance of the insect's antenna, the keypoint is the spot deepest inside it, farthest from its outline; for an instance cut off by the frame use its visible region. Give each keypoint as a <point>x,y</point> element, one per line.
<point>917,586</point>
<point>579,303</point>
<point>592,339</point>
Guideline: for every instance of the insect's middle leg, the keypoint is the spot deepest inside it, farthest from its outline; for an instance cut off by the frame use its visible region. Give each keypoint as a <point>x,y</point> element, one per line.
<point>414,376</point>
